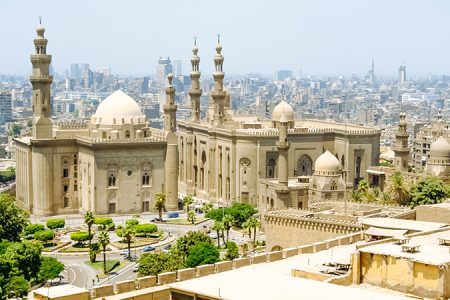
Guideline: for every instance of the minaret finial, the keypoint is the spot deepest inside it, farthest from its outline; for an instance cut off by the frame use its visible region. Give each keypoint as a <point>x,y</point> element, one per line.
<point>218,38</point>
<point>40,20</point>
<point>195,40</point>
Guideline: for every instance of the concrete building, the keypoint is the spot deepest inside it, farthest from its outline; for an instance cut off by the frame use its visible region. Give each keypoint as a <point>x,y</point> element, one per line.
<point>113,164</point>
<point>5,107</point>
<point>163,69</point>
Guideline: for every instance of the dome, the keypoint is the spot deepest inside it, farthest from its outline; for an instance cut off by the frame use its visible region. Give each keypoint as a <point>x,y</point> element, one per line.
<point>283,112</point>
<point>440,148</point>
<point>327,163</point>
<point>117,107</point>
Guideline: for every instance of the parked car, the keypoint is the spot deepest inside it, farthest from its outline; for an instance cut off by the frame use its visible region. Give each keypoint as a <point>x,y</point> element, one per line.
<point>173,215</point>
<point>124,252</point>
<point>148,248</point>
<point>167,248</point>
<point>155,220</point>
<point>135,268</point>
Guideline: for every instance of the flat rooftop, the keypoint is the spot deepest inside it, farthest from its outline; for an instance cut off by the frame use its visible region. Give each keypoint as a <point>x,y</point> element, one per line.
<point>274,281</point>
<point>390,223</point>
<point>430,252</point>
<point>60,291</point>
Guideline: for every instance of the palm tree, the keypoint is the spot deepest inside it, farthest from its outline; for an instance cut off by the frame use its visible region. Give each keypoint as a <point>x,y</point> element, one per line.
<point>187,200</point>
<point>89,220</point>
<point>246,225</point>
<point>253,223</point>
<point>218,226</point>
<point>103,240</point>
<point>227,221</point>
<point>357,196</point>
<point>160,203</point>
<point>128,234</point>
<point>398,189</point>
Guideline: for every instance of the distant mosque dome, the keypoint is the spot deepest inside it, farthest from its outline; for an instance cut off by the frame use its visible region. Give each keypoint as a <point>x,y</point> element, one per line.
<point>327,164</point>
<point>283,112</point>
<point>440,149</point>
<point>116,109</point>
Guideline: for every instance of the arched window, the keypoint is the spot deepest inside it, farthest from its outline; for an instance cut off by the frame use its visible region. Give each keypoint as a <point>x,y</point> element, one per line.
<point>333,186</point>
<point>127,134</point>
<point>146,173</point>
<point>112,169</point>
<point>304,166</point>
<point>271,168</point>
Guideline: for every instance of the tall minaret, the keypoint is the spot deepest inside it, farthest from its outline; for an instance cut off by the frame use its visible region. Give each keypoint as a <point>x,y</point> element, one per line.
<point>218,94</point>
<point>283,148</point>
<point>41,81</point>
<point>171,163</point>
<point>401,148</point>
<point>195,91</point>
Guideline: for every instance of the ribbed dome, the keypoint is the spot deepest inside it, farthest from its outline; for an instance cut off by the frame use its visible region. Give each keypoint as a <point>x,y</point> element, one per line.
<point>118,108</point>
<point>440,148</point>
<point>327,164</point>
<point>283,112</point>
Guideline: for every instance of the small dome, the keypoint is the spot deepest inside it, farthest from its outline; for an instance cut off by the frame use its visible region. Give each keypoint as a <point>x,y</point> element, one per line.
<point>283,112</point>
<point>440,148</point>
<point>117,106</point>
<point>327,163</point>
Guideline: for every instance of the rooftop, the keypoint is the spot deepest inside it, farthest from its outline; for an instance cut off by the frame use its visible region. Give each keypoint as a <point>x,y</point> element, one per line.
<point>390,223</point>
<point>60,291</point>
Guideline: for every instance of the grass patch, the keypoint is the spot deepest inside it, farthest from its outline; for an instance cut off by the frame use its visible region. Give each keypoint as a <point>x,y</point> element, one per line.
<point>78,248</point>
<point>51,246</point>
<point>184,221</point>
<point>110,265</point>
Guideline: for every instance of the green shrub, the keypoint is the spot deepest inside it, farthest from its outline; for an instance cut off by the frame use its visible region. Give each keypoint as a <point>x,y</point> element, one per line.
<point>201,254</point>
<point>232,251</point>
<point>154,235</point>
<point>32,228</point>
<point>131,222</point>
<point>145,229</point>
<point>239,211</point>
<point>44,235</point>
<point>111,226</point>
<point>80,236</point>
<point>119,232</point>
<point>103,221</point>
<point>55,223</point>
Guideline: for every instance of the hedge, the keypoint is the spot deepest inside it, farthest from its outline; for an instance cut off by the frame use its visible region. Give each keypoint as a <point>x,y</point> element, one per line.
<point>144,229</point>
<point>32,228</point>
<point>44,235</point>
<point>80,236</point>
<point>56,223</point>
<point>103,221</point>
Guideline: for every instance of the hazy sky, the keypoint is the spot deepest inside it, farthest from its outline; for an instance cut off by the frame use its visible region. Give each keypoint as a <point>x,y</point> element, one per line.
<point>317,37</point>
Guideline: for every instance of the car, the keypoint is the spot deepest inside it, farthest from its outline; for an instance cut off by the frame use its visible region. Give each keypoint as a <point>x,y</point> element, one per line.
<point>148,248</point>
<point>173,215</point>
<point>135,268</point>
<point>167,248</point>
<point>124,252</point>
<point>154,220</point>
<point>213,235</point>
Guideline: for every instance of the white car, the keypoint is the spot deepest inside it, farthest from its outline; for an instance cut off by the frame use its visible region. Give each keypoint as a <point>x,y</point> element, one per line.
<point>124,252</point>
<point>135,268</point>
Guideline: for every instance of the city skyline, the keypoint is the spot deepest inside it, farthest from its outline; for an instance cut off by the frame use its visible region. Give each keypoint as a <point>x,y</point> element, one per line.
<point>317,38</point>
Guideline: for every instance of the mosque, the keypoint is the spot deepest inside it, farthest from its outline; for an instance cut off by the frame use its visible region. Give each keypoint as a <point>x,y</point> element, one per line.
<point>116,163</point>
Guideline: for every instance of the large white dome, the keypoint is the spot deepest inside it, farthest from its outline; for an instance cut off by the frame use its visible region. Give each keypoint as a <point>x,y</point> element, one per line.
<point>116,109</point>
<point>440,149</point>
<point>327,164</point>
<point>283,112</point>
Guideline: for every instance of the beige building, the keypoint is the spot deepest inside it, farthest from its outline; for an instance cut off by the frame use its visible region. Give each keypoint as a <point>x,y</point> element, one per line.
<point>113,164</point>
<point>224,156</point>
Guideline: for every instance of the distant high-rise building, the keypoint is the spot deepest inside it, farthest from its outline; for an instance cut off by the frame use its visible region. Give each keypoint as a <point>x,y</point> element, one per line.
<point>144,85</point>
<point>163,69</point>
<point>5,107</point>
<point>178,67</point>
<point>75,71</point>
<point>283,74</point>
<point>84,68</point>
<point>402,74</point>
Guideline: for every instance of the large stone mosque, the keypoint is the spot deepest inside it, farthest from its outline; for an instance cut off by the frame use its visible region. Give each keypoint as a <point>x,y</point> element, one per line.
<point>116,163</point>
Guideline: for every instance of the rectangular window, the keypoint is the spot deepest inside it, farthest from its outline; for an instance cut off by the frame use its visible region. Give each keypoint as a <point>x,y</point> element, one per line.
<point>75,187</point>
<point>66,188</point>
<point>65,172</point>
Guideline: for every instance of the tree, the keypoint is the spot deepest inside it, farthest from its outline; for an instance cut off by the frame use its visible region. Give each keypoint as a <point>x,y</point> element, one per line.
<point>253,223</point>
<point>103,240</point>
<point>398,189</point>
<point>429,190</point>
<point>218,227</point>
<point>50,268</point>
<point>32,228</point>
<point>104,221</point>
<point>246,226</point>
<point>131,222</point>
<point>227,222</point>
<point>80,237</point>
<point>357,196</point>
<point>128,234</point>
<point>13,219</point>
<point>18,285</point>
<point>44,236</point>
<point>232,251</point>
<point>159,262</point>
<point>55,223</point>
<point>94,249</point>
<point>202,253</point>
<point>191,216</point>
<point>89,220</point>
<point>145,229</point>
<point>189,240</point>
<point>26,257</point>
<point>206,207</point>
<point>160,203</point>
<point>187,200</point>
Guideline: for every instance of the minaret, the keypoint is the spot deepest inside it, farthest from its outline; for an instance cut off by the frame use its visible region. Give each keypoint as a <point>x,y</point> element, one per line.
<point>195,91</point>
<point>41,81</point>
<point>218,94</point>
<point>401,148</point>
<point>283,148</point>
<point>171,163</point>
